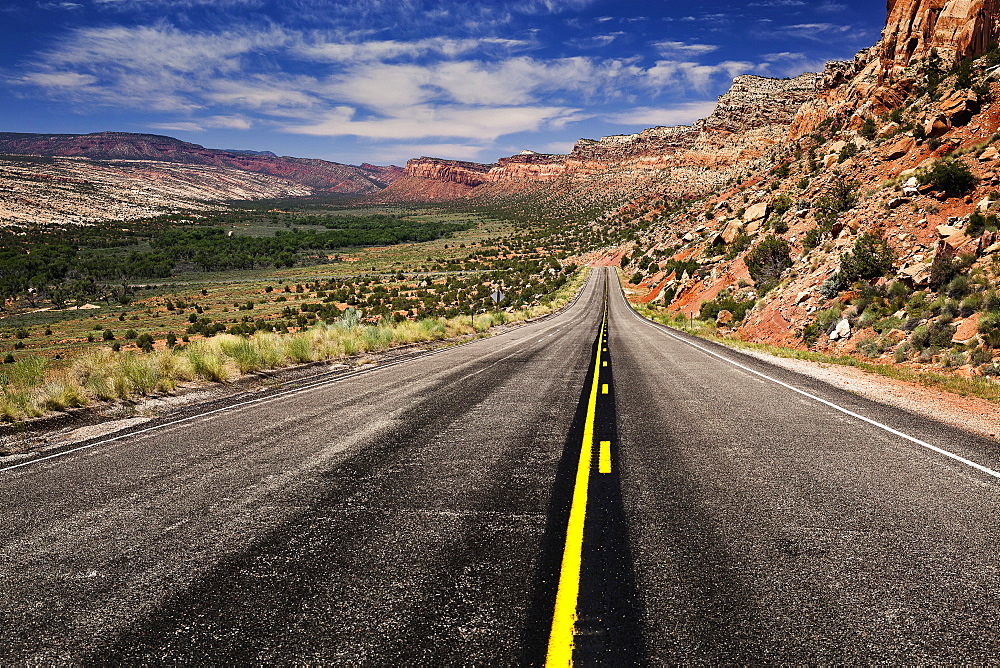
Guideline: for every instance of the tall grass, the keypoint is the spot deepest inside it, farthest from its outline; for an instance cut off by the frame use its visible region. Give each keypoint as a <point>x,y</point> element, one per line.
<point>30,388</point>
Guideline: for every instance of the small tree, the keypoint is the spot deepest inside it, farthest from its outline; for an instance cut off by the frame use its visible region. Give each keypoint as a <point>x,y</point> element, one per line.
<point>871,257</point>
<point>768,261</point>
<point>145,341</point>
<point>868,130</point>
<point>950,176</point>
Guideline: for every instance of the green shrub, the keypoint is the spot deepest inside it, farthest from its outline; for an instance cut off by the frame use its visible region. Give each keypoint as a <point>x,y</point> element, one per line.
<point>768,261</point>
<point>980,355</point>
<point>952,177</point>
<point>849,151</point>
<point>871,346</point>
<point>145,341</point>
<point>978,223</point>
<point>869,129</point>
<point>889,323</point>
<point>739,244</point>
<point>781,204</point>
<point>710,310</point>
<point>821,324</point>
<point>870,258</point>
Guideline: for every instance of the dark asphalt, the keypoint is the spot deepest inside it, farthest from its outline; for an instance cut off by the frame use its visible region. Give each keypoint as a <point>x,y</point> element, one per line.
<point>415,515</point>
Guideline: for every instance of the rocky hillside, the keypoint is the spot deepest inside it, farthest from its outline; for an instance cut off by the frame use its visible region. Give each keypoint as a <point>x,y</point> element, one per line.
<point>875,229</point>
<point>319,175</point>
<point>79,190</point>
<point>673,162</point>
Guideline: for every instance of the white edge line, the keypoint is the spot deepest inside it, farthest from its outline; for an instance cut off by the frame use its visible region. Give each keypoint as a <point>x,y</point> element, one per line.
<point>924,444</point>
<point>280,395</point>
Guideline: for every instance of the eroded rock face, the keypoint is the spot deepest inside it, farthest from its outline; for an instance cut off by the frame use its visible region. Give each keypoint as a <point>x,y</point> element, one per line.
<point>750,118</point>
<point>881,78</point>
<point>955,28</point>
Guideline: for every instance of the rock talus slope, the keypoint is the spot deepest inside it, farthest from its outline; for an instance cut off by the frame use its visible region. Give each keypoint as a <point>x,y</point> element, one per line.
<point>875,231</point>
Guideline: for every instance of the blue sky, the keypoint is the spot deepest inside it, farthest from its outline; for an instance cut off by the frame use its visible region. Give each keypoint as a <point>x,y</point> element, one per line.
<point>385,80</point>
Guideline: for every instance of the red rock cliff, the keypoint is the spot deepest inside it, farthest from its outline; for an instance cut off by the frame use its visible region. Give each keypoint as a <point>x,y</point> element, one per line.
<point>750,118</point>
<point>881,78</point>
<point>955,28</point>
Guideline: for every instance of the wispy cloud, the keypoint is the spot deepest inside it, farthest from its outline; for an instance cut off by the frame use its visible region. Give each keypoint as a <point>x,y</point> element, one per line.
<point>482,123</point>
<point>681,114</point>
<point>670,48</point>
<point>812,31</point>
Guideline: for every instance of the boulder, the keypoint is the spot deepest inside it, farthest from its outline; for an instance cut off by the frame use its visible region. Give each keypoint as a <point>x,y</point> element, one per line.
<point>959,107</point>
<point>945,231</point>
<point>731,231</point>
<point>897,202</point>
<point>985,205</point>
<point>966,330</point>
<point>724,318</point>
<point>888,130</point>
<point>901,148</point>
<point>989,154</point>
<point>841,331</point>
<point>918,274</point>
<point>936,127</point>
<point>755,212</point>
<point>844,329</point>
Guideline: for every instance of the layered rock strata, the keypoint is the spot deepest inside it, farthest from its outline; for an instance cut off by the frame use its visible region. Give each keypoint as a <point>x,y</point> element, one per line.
<point>749,119</point>
<point>319,175</point>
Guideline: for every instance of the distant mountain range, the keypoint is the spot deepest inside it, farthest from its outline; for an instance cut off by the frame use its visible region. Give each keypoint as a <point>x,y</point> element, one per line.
<point>319,175</point>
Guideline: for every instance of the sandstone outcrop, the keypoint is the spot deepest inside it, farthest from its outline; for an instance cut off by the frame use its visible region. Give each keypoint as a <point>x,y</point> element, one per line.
<point>683,161</point>
<point>883,77</point>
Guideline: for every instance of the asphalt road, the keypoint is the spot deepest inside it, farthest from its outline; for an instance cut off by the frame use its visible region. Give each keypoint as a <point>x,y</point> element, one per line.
<point>423,514</point>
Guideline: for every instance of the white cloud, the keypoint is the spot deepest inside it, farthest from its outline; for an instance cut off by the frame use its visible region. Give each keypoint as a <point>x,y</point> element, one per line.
<point>381,89</point>
<point>680,114</point>
<point>402,152</point>
<point>211,122</point>
<point>58,79</point>
<point>181,126</point>
<point>477,123</point>
<point>379,50</point>
<point>669,48</point>
<point>812,31</point>
<point>681,74</point>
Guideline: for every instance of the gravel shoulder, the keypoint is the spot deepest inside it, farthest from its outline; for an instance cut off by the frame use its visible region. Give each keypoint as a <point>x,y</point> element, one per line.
<point>969,413</point>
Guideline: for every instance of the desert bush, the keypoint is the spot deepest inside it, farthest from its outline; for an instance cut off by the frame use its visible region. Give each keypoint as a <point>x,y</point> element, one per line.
<point>822,323</point>
<point>952,177</point>
<point>870,258</point>
<point>767,261</point>
<point>710,309</point>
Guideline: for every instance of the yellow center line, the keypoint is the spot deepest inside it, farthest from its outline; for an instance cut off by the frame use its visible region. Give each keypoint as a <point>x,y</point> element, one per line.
<point>605,457</point>
<point>560,651</point>
<point>604,388</point>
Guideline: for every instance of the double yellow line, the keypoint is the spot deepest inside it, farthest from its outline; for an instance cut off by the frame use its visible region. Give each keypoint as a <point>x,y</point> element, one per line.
<point>560,651</point>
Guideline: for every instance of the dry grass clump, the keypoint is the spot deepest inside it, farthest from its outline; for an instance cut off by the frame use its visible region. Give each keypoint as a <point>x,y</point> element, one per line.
<point>30,388</point>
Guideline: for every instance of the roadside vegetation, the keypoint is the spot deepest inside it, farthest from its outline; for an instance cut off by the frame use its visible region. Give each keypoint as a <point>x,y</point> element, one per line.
<point>977,386</point>
<point>70,338</point>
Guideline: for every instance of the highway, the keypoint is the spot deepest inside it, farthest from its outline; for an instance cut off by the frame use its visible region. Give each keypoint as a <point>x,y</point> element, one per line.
<point>588,487</point>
